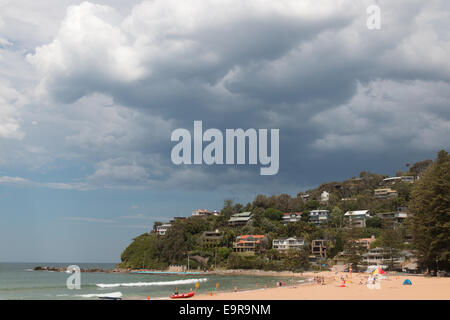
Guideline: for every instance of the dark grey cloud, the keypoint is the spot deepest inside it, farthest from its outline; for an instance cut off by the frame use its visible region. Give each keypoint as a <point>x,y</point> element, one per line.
<point>111,83</point>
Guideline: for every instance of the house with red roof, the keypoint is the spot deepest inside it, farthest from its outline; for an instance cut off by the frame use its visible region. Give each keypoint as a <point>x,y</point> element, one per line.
<point>248,243</point>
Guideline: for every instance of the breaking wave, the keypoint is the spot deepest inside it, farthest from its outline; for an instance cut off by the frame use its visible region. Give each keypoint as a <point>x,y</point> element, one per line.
<point>146,284</point>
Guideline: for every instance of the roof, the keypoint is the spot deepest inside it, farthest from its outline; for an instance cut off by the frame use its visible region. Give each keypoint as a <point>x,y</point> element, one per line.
<point>398,178</point>
<point>212,232</point>
<point>357,213</point>
<point>290,213</point>
<point>392,178</point>
<point>242,214</point>
<point>255,236</point>
<point>290,238</point>
<point>200,212</point>
<point>165,225</point>
<point>233,219</point>
<point>366,239</point>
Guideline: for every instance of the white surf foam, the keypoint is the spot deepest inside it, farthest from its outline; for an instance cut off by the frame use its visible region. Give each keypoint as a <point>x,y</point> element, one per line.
<point>146,284</point>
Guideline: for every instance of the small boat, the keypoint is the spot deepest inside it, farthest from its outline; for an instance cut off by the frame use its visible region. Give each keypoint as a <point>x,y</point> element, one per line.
<point>110,298</point>
<point>182,295</point>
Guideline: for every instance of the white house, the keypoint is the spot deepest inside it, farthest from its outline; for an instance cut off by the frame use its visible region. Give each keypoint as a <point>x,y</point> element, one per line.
<point>357,219</point>
<point>201,213</point>
<point>319,216</point>
<point>385,193</point>
<point>394,217</point>
<point>291,217</point>
<point>240,219</point>
<point>162,229</point>
<point>284,244</point>
<point>304,196</point>
<point>324,196</point>
<point>393,180</point>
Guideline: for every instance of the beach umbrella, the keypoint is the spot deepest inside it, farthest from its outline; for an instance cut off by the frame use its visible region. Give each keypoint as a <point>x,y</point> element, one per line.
<point>378,271</point>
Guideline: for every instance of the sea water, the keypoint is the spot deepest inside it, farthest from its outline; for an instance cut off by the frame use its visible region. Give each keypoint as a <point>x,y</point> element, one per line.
<point>19,281</point>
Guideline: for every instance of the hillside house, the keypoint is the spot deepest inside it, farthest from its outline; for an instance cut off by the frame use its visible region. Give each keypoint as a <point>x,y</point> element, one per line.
<point>240,219</point>
<point>319,217</point>
<point>356,219</point>
<point>248,243</point>
<point>290,217</point>
<point>284,244</point>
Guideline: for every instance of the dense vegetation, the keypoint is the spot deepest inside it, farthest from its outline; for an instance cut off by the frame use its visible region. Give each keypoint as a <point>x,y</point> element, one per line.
<point>430,224</point>
<point>428,199</point>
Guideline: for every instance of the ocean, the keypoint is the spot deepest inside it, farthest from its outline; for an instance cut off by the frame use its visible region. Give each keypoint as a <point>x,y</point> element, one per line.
<point>18,281</point>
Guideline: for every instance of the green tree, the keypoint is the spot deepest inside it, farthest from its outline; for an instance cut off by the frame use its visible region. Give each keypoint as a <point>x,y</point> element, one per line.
<point>353,248</point>
<point>392,243</point>
<point>228,208</point>
<point>272,254</point>
<point>282,202</point>
<point>430,209</point>
<point>337,218</point>
<point>403,189</point>
<point>261,201</point>
<point>297,260</point>
<point>374,222</point>
<point>419,167</point>
<point>222,254</point>
<point>273,214</point>
<point>311,205</point>
<point>238,207</point>
<point>338,245</point>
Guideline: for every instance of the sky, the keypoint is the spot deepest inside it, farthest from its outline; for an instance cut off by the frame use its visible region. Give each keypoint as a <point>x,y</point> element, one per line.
<point>90,93</point>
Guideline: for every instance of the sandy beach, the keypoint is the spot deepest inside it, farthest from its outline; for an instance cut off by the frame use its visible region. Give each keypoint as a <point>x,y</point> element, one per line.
<point>391,288</point>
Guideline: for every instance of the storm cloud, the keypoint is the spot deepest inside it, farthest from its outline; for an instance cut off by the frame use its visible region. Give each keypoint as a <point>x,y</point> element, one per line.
<point>104,85</point>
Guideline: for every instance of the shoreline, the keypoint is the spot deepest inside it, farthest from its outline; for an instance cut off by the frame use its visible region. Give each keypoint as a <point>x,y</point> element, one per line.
<point>391,288</point>
<point>303,286</point>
